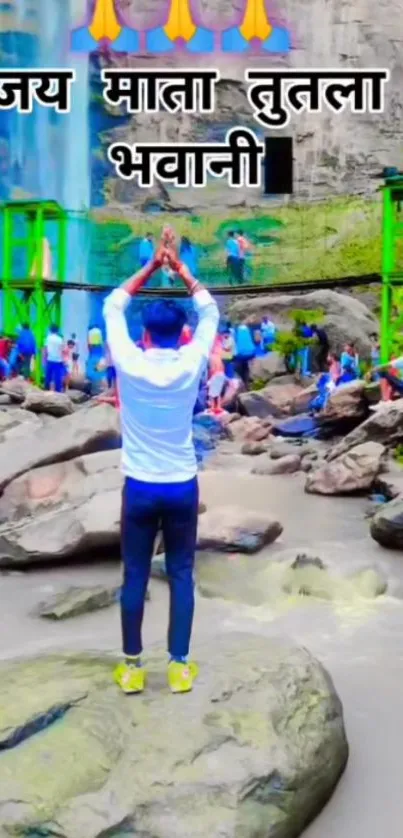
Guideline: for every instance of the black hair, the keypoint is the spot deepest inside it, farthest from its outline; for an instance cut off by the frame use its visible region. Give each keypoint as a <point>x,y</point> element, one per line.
<point>164,321</point>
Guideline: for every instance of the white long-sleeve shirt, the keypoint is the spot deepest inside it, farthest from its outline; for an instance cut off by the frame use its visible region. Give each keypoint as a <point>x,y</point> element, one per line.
<point>158,389</point>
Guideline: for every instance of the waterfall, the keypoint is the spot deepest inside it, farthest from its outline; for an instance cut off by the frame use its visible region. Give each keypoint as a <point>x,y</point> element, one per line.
<point>45,155</point>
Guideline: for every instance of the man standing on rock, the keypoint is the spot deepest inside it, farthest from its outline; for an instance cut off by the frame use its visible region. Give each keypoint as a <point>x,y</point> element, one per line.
<point>158,389</point>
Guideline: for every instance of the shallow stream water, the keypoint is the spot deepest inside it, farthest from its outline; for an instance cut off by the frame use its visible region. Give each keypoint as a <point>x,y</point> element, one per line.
<point>358,639</point>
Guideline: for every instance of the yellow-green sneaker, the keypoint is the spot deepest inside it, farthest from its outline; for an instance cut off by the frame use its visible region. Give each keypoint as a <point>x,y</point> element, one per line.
<point>181,676</point>
<point>131,679</point>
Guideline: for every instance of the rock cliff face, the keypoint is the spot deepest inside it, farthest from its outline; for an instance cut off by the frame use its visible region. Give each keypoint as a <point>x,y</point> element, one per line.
<point>334,154</point>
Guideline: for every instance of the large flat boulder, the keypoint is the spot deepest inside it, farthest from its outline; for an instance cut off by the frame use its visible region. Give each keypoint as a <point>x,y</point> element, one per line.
<point>46,401</point>
<point>17,389</point>
<point>75,601</point>
<point>267,367</point>
<point>354,471</point>
<point>347,402</point>
<point>234,529</point>
<point>261,748</point>
<point>93,428</point>
<point>275,400</point>
<point>62,510</point>
<point>385,425</point>
<point>57,511</point>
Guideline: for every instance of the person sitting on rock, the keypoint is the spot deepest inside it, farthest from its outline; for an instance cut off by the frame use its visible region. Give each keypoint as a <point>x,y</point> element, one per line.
<point>391,380</point>
<point>334,367</point>
<point>158,388</point>
<point>350,369</point>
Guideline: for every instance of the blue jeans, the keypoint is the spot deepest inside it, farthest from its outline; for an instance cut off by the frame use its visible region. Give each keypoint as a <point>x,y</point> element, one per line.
<point>55,374</point>
<point>111,377</point>
<point>304,359</point>
<point>146,508</point>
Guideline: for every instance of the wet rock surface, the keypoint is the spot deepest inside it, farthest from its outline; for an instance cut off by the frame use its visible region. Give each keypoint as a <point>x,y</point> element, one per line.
<point>345,403</point>
<point>276,400</point>
<point>354,471</point>
<point>288,464</point>
<point>384,425</point>
<point>44,401</point>
<point>387,525</point>
<point>261,749</point>
<point>61,510</point>
<point>76,601</point>
<point>232,529</point>
<point>93,428</point>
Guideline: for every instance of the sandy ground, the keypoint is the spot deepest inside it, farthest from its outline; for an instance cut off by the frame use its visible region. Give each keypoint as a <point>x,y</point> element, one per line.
<point>359,642</point>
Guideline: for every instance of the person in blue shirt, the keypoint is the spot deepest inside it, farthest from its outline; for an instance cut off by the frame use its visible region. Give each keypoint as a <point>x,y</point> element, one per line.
<point>146,250</point>
<point>349,364</point>
<point>269,332</point>
<point>188,255</point>
<point>26,350</point>
<point>245,352</point>
<point>304,354</point>
<point>234,262</point>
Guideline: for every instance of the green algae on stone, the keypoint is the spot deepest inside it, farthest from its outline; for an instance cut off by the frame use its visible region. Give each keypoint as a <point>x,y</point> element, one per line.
<point>261,746</point>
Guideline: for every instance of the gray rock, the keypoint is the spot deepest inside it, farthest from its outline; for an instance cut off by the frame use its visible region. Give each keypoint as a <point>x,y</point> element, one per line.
<point>387,525</point>
<point>93,428</point>
<point>61,510</point>
<point>17,389</point>
<point>384,425</point>
<point>345,403</point>
<point>283,447</point>
<point>75,601</point>
<point>267,367</point>
<point>354,471</point>
<point>45,401</point>
<point>254,404</point>
<point>275,400</point>
<point>249,429</point>
<point>288,464</point>
<point>261,749</point>
<point>77,396</point>
<point>234,529</point>
<point>253,449</point>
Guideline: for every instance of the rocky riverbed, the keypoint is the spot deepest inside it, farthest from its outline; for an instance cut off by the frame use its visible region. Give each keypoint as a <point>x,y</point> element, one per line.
<point>289,558</point>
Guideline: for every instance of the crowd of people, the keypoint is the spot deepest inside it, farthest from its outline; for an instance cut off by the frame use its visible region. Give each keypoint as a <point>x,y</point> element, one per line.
<point>60,357</point>
<point>228,368</point>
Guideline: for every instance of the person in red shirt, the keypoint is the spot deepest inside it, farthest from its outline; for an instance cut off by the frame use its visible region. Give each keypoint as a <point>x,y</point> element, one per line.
<point>5,346</point>
<point>245,250</point>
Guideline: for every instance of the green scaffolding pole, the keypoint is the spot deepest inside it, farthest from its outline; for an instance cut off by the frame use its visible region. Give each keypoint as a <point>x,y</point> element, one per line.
<point>29,227</point>
<point>392,268</point>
